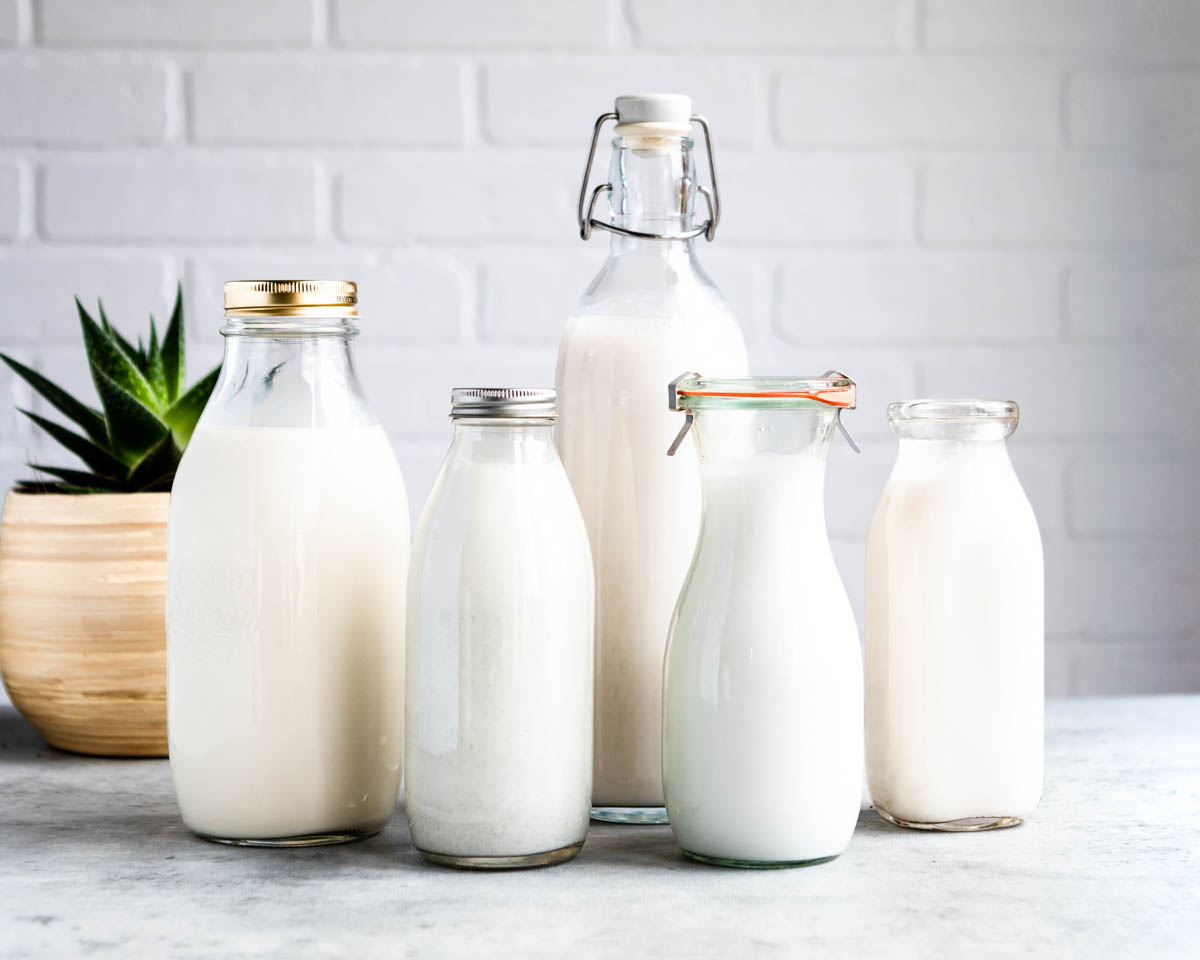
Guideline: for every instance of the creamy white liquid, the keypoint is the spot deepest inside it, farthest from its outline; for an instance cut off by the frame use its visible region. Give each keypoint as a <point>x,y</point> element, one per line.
<point>287,558</point>
<point>954,637</point>
<point>763,732</point>
<point>499,702</point>
<point>642,510</point>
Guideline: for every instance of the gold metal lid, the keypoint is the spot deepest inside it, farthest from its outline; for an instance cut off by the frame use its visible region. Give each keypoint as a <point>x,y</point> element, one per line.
<point>291,298</point>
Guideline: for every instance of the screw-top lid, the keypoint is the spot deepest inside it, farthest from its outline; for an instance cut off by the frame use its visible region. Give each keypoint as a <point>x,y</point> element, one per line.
<point>533,403</point>
<point>667,114</point>
<point>289,298</point>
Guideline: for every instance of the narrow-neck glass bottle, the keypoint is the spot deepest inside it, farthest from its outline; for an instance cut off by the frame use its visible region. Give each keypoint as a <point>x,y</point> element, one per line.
<point>650,312</point>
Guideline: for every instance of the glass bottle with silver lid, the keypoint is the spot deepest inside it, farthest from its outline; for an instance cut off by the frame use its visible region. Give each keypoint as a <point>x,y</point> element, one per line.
<point>499,686</point>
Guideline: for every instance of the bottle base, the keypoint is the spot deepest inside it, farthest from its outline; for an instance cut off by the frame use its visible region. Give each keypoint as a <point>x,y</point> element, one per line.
<point>963,825</point>
<point>524,861</point>
<point>756,864</point>
<point>630,814</point>
<point>305,840</point>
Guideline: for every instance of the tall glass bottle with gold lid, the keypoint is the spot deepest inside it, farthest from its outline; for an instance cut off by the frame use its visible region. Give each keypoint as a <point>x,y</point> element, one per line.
<point>649,313</point>
<point>287,553</point>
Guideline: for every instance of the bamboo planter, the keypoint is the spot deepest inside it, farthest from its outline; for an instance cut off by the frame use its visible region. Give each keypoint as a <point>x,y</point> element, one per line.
<point>83,582</point>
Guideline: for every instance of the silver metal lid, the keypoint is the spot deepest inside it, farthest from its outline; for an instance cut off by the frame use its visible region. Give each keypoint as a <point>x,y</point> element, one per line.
<point>532,403</point>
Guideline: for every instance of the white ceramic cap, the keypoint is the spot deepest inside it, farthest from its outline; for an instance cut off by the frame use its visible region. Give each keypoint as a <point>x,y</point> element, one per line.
<point>663,113</point>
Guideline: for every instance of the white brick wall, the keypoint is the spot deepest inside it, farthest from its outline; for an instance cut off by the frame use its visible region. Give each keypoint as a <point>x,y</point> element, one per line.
<point>938,196</point>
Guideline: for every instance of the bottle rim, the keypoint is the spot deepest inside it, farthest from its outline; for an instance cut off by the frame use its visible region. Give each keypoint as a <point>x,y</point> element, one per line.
<point>832,390</point>
<point>954,410</point>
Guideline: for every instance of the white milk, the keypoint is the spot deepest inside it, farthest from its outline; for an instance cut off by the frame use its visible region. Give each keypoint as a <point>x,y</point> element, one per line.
<point>499,687</point>
<point>285,631</point>
<point>642,510</point>
<point>954,638</point>
<point>763,747</point>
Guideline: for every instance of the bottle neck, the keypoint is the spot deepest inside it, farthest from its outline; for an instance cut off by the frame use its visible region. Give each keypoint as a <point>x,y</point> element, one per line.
<point>732,436</point>
<point>930,456</point>
<point>653,189</point>
<point>290,374</point>
<point>503,441</point>
<point>762,474</point>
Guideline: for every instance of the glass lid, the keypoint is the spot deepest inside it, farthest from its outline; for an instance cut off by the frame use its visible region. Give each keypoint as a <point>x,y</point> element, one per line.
<point>831,389</point>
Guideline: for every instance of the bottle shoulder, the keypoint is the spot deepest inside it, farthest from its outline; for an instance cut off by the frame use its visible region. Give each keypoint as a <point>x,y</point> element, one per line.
<point>655,282</point>
<point>918,504</point>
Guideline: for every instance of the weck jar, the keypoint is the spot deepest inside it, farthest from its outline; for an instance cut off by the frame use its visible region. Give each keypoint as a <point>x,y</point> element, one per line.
<point>762,693</point>
<point>499,701</point>
<point>955,625</point>
<point>287,551</point>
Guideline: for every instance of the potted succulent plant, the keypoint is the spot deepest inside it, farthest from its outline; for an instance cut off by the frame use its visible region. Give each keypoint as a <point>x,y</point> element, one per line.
<point>83,551</point>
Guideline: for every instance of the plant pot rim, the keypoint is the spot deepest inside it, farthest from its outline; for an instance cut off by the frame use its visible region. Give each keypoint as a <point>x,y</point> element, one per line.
<point>85,509</point>
<point>110,495</point>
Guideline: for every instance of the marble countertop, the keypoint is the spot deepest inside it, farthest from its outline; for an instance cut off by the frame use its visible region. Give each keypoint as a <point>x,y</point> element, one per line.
<point>96,862</point>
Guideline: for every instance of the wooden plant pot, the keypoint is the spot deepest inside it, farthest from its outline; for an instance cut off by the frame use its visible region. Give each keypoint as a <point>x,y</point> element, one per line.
<point>83,650</point>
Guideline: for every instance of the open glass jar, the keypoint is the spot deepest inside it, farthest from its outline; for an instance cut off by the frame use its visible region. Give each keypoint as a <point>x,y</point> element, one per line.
<point>954,625</point>
<point>762,714</point>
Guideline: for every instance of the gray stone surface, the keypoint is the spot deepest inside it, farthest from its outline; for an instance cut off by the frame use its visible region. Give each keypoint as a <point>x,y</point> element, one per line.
<point>95,861</point>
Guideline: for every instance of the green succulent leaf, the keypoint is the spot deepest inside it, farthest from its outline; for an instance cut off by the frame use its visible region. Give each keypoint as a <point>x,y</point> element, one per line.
<point>149,414</point>
<point>156,467</point>
<point>91,420</point>
<point>79,478</point>
<point>182,415</point>
<point>156,373</point>
<point>109,361</point>
<point>95,456</point>
<point>174,350</point>
<point>126,347</point>
<point>133,428</point>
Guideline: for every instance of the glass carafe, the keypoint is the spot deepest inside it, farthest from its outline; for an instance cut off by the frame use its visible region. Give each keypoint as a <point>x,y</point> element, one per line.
<point>762,712</point>
<point>499,702</point>
<point>650,312</point>
<point>287,555</point>
<point>955,625</point>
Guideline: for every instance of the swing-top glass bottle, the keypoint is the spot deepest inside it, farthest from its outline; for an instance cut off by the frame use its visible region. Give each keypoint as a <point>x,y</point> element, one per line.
<point>649,313</point>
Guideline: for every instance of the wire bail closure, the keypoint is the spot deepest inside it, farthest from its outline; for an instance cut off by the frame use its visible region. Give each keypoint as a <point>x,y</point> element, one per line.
<point>586,207</point>
<point>689,418</point>
<point>673,404</point>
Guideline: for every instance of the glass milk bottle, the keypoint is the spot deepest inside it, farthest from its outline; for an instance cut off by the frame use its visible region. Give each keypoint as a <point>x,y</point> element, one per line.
<point>650,312</point>
<point>287,552</point>
<point>762,702</point>
<point>499,701</point>
<point>954,625</point>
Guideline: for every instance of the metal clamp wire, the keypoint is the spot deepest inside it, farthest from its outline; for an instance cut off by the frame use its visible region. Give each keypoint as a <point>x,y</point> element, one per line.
<point>587,207</point>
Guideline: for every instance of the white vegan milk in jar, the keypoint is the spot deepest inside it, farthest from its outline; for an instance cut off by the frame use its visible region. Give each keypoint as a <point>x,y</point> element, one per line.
<point>287,557</point>
<point>955,625</point>
<point>762,713</point>
<point>499,700</point>
<point>650,313</point>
